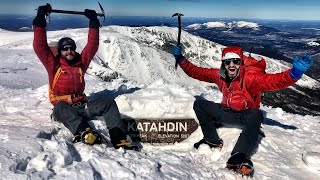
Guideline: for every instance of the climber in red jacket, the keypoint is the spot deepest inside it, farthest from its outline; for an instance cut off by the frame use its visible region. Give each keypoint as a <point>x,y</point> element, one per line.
<point>236,108</point>
<point>66,84</point>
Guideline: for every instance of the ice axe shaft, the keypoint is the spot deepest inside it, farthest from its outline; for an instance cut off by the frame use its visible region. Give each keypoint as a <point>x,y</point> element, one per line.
<point>50,10</point>
<point>179,32</point>
<point>72,12</point>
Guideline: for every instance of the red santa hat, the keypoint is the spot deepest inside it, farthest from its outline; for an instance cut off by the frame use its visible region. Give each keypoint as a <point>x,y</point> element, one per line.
<point>232,52</point>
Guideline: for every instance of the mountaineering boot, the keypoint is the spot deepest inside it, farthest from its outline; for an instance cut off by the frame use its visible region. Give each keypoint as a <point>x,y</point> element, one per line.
<point>119,140</point>
<point>215,144</point>
<point>127,145</point>
<point>240,164</point>
<point>88,136</point>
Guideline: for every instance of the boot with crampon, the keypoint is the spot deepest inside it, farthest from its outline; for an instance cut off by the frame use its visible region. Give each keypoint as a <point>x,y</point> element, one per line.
<point>239,163</point>
<point>88,136</point>
<point>119,140</point>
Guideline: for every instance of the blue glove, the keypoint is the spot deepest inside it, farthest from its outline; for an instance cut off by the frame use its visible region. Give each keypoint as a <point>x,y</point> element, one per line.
<point>300,66</point>
<point>176,51</point>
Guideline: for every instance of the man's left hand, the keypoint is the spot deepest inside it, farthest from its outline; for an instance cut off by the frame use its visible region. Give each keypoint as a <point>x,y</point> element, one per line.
<point>300,66</point>
<point>90,14</point>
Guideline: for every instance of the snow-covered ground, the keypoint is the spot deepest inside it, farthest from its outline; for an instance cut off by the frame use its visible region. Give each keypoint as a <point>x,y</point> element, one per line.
<point>145,84</point>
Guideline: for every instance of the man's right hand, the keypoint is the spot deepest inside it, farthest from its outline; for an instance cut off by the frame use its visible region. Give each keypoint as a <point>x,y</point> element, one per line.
<point>43,11</point>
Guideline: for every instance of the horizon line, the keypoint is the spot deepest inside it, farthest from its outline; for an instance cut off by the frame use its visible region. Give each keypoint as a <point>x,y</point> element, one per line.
<point>169,16</point>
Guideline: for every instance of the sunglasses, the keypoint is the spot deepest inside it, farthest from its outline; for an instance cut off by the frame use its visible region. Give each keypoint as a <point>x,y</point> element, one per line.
<point>236,61</point>
<point>67,48</point>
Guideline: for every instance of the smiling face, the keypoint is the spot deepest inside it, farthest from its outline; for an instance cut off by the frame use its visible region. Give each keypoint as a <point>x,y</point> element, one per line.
<point>232,66</point>
<point>68,52</point>
<point>231,61</point>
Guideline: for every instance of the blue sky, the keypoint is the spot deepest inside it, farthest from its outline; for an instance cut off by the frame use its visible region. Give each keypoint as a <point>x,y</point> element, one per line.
<point>261,9</point>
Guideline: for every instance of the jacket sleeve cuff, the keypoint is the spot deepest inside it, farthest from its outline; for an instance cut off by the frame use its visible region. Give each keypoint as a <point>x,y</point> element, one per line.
<point>180,58</point>
<point>39,21</point>
<point>95,23</point>
<point>295,73</point>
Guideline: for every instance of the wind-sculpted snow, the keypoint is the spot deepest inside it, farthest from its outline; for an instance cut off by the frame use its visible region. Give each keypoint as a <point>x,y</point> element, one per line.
<point>134,66</point>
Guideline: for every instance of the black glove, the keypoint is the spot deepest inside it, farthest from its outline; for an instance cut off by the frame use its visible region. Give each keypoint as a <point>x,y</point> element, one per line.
<point>92,15</point>
<point>43,11</point>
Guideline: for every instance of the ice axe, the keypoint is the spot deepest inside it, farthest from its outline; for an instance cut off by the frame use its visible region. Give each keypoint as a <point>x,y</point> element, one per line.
<point>179,33</point>
<point>102,14</point>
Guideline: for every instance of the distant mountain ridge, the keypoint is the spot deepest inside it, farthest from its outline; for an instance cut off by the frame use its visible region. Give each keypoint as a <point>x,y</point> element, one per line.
<point>237,26</point>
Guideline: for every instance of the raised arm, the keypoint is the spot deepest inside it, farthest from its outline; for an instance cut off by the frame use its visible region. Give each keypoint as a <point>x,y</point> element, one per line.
<point>268,82</point>
<point>93,38</point>
<point>210,75</point>
<point>203,74</point>
<point>40,44</point>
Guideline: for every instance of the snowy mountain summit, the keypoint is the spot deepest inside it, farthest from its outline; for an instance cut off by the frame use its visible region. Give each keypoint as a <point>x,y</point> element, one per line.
<point>135,66</point>
<point>229,25</point>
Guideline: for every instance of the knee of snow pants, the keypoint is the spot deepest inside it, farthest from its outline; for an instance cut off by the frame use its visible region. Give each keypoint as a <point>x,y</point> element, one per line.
<point>107,108</point>
<point>251,121</point>
<point>253,118</point>
<point>207,112</point>
<point>69,117</point>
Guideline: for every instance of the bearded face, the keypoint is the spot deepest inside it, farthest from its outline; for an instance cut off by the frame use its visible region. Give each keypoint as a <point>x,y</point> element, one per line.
<point>68,52</point>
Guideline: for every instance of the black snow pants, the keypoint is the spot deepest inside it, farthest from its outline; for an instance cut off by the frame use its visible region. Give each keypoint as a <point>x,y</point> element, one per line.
<point>75,117</point>
<point>248,120</point>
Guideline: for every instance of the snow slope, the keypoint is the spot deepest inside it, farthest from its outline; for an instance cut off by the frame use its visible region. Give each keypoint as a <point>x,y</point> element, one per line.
<point>140,68</point>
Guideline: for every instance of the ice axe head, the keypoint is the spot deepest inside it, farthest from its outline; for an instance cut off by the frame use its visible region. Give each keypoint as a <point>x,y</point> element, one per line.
<point>179,32</point>
<point>179,25</point>
<point>102,12</point>
<point>177,14</point>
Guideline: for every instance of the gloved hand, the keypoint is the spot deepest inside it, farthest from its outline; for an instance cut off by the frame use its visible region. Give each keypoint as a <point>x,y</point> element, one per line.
<point>43,11</point>
<point>92,15</point>
<point>300,66</point>
<point>176,51</point>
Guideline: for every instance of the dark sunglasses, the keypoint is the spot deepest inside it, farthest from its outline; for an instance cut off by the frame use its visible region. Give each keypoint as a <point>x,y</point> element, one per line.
<point>235,61</point>
<point>66,48</point>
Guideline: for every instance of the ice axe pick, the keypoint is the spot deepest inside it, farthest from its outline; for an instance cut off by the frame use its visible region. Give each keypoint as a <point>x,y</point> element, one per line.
<point>179,32</point>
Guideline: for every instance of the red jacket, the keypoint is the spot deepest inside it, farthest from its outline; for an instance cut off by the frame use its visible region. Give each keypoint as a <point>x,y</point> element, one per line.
<point>233,95</point>
<point>71,80</point>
